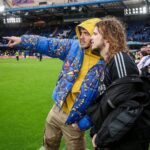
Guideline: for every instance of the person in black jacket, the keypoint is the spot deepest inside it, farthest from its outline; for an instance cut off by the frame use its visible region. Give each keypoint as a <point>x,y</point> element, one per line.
<point>120,122</point>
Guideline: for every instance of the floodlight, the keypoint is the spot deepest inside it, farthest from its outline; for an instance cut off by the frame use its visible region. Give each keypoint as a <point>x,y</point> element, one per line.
<point>144,10</point>
<point>2,8</point>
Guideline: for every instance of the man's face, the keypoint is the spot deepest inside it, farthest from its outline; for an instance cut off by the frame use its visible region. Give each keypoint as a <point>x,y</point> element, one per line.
<point>97,40</point>
<point>85,39</point>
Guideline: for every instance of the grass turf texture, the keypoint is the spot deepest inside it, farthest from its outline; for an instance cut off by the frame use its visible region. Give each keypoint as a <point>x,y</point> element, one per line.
<point>25,99</point>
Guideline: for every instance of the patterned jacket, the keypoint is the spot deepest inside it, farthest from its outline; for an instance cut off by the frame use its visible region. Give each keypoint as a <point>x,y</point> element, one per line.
<point>70,52</point>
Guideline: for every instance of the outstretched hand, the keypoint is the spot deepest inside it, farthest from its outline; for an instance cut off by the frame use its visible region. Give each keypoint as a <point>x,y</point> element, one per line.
<point>13,40</point>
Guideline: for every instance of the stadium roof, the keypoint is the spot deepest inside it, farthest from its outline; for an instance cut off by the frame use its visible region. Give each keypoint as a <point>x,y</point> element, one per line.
<point>88,8</point>
<point>124,3</point>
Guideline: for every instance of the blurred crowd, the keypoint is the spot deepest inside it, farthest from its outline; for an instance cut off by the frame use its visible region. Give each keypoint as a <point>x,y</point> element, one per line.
<point>142,59</point>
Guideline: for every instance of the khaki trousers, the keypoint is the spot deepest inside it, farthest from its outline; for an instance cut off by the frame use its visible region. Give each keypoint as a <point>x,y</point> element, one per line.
<point>55,128</point>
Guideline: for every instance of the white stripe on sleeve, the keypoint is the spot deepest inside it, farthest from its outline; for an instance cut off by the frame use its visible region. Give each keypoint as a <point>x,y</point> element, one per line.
<point>116,61</point>
<point>124,67</point>
<point>120,64</point>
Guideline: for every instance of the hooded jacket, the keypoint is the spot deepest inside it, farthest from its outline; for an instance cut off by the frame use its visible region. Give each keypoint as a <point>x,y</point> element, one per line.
<point>70,52</point>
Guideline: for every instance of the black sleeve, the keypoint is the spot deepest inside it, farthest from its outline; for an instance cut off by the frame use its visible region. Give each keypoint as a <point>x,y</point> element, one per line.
<point>93,131</point>
<point>121,65</point>
<point>118,123</point>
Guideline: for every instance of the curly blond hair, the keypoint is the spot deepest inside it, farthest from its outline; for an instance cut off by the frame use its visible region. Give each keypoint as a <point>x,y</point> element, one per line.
<point>113,31</point>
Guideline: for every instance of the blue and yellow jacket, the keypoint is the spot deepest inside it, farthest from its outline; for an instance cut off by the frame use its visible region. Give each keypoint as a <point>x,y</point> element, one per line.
<point>70,52</point>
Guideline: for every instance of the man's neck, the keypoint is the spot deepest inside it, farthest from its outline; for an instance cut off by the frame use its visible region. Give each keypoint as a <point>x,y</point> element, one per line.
<point>104,52</point>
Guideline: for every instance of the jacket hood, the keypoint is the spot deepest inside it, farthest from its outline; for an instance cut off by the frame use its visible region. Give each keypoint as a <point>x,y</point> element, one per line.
<point>88,25</point>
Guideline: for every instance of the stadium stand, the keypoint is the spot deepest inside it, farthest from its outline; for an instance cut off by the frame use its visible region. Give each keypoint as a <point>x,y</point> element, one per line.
<point>136,31</point>
<point>58,18</point>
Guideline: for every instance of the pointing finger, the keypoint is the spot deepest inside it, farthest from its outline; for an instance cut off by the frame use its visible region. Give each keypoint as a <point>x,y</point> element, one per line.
<point>6,37</point>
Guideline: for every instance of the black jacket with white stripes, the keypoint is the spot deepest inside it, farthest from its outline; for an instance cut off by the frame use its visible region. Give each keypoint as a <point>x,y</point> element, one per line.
<point>115,112</point>
<point>121,65</point>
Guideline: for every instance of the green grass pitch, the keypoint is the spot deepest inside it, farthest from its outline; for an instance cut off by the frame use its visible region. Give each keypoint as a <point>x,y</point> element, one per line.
<point>25,100</point>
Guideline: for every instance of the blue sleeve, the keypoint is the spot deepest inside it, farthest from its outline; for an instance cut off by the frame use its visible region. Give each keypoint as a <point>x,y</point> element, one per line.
<point>88,92</point>
<point>56,48</point>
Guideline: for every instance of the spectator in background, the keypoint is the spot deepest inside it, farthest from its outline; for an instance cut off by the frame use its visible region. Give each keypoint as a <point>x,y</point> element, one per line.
<point>17,55</point>
<point>144,63</point>
<point>39,56</point>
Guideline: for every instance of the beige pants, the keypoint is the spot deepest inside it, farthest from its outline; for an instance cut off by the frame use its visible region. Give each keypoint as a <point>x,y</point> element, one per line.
<point>56,128</point>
